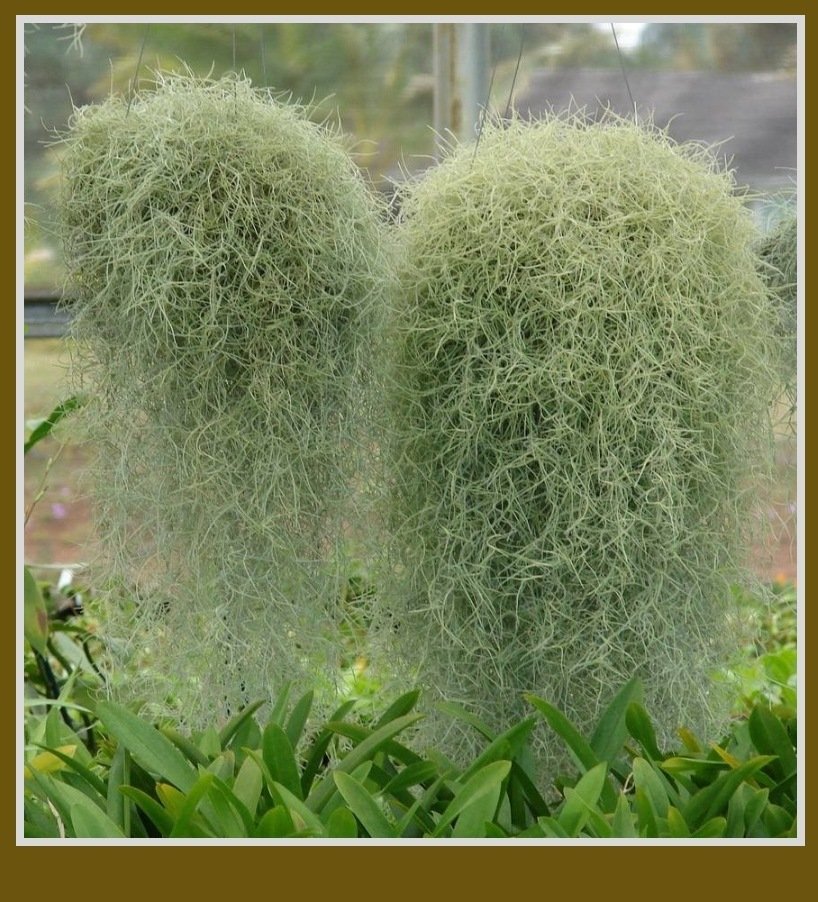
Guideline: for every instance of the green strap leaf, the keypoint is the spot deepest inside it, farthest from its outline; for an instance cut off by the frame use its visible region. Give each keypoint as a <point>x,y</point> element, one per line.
<point>712,800</point>
<point>35,614</point>
<point>612,730</point>
<point>280,759</point>
<point>641,728</point>
<point>248,784</point>
<point>363,806</point>
<point>770,738</point>
<point>580,750</point>
<point>581,799</point>
<point>399,707</point>
<point>233,726</point>
<point>651,783</point>
<point>298,718</point>
<point>342,824</point>
<point>275,824</point>
<point>147,745</point>
<point>161,818</point>
<point>486,782</point>
<point>89,821</point>
<point>45,426</point>
<point>362,752</point>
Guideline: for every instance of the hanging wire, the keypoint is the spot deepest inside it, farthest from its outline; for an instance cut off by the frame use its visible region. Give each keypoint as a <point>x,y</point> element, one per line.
<point>263,56</point>
<point>484,112</point>
<point>136,71</point>
<point>510,93</point>
<point>625,75</point>
<point>516,72</point>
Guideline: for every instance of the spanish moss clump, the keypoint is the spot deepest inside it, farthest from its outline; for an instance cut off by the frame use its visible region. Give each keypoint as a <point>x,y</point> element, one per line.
<point>226,264</point>
<point>580,395</point>
<point>779,255</point>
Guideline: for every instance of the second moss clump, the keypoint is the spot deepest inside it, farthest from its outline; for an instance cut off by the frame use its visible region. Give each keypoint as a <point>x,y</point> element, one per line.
<point>581,383</point>
<point>225,267</point>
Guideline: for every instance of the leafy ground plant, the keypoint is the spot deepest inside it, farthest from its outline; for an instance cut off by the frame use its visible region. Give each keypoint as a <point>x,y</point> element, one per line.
<point>583,368</point>
<point>359,779</point>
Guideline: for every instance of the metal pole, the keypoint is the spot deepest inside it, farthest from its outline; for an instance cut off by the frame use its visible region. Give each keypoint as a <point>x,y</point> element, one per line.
<point>473,70</point>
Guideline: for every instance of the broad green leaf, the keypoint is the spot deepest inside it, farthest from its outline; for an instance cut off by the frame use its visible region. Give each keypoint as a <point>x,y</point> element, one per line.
<point>298,718</point>
<point>147,745</point>
<point>755,806</point>
<point>770,738</point>
<point>341,824</point>
<point>676,824</point>
<point>399,707</point>
<point>209,743</point>
<point>691,743</point>
<point>646,779</point>
<point>298,810</point>
<point>247,785</point>
<point>35,614</point>
<point>363,806</point>
<point>49,762</point>
<point>503,747</point>
<point>223,765</point>
<point>611,730</point>
<point>647,821</point>
<point>582,797</point>
<point>172,798</point>
<point>623,820</point>
<point>417,813</point>
<point>189,749</point>
<point>550,826</point>
<point>580,750</point>
<point>45,426</point>
<point>701,767</point>
<point>192,800</point>
<point>535,802</point>
<point>232,726</point>
<point>486,782</point>
<point>712,800</point>
<point>779,823</point>
<point>736,807</point>
<point>161,818</point>
<point>62,795</point>
<point>411,776</point>
<point>712,829</point>
<point>366,749</point>
<point>319,747</point>
<point>280,705</point>
<point>118,809</point>
<point>275,824</point>
<point>89,821</point>
<point>66,755</point>
<point>641,728</point>
<point>228,816</point>
<point>452,709</point>
<point>280,758</point>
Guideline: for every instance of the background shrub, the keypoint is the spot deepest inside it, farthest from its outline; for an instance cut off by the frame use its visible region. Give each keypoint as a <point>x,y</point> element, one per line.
<point>225,263</point>
<point>580,401</point>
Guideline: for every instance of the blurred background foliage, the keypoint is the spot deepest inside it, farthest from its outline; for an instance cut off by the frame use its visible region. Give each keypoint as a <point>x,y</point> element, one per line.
<point>376,79</point>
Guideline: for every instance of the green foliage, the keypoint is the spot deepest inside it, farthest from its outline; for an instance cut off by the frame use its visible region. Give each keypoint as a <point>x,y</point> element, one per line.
<point>767,670</point>
<point>226,264</point>
<point>583,370</point>
<point>245,782</point>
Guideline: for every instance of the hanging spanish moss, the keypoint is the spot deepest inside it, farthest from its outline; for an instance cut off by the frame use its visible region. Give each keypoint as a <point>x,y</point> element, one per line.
<point>581,379</point>
<point>226,267</point>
